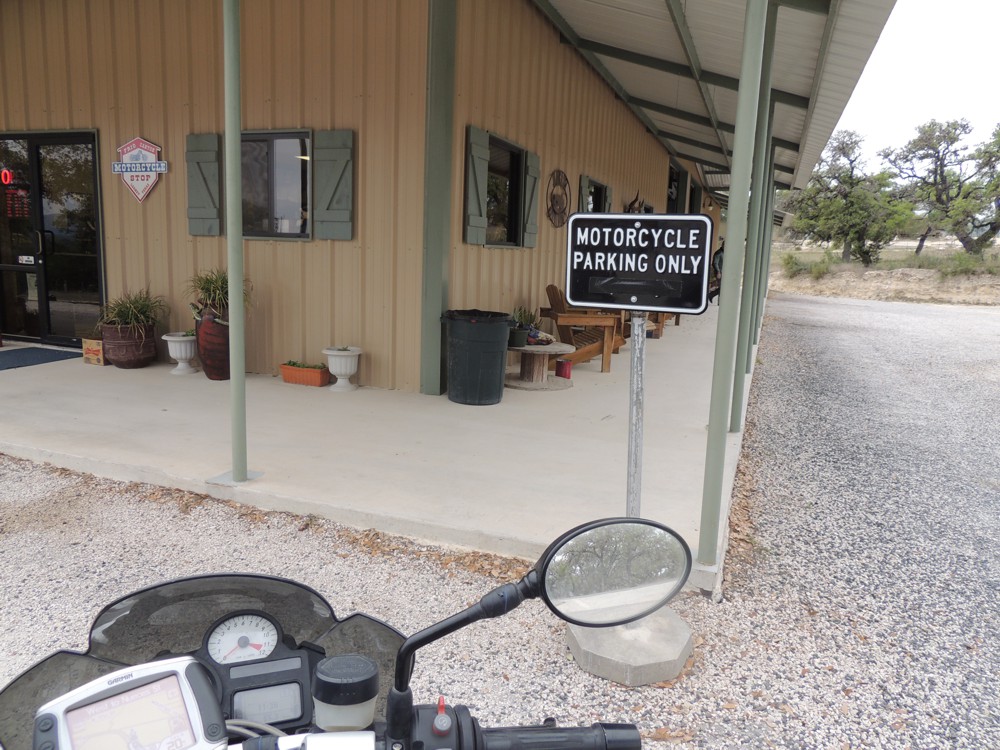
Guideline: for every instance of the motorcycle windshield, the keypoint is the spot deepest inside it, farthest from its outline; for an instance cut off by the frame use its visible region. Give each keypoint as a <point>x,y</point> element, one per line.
<point>174,617</point>
<point>47,680</point>
<point>170,618</point>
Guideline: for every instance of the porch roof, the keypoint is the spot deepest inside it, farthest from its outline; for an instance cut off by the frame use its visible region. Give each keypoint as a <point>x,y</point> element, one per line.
<point>676,63</point>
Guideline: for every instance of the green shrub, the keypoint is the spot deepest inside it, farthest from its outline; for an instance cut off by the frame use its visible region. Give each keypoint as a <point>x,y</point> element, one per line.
<point>792,266</point>
<point>134,310</point>
<point>962,264</point>
<point>821,268</point>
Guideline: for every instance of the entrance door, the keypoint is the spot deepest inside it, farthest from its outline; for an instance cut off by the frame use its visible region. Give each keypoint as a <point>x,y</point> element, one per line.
<point>50,238</point>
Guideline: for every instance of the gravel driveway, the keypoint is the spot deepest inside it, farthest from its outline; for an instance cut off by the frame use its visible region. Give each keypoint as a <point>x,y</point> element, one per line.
<point>861,601</point>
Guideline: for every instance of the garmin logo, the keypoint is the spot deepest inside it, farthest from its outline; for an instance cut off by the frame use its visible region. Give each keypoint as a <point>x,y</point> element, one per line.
<point>121,678</point>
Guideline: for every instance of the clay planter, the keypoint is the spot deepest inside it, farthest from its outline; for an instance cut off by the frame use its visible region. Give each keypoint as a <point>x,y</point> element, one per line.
<point>317,376</point>
<point>213,347</point>
<point>129,347</point>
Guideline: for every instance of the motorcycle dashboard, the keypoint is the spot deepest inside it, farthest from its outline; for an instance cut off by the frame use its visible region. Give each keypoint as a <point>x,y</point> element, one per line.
<point>259,639</point>
<point>259,674</point>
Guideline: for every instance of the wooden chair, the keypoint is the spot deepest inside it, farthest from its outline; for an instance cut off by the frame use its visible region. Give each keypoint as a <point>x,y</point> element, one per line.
<point>655,321</point>
<point>591,332</point>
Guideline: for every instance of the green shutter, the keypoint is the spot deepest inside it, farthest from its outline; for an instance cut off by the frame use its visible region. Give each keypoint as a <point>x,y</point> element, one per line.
<point>477,164</point>
<point>204,180</point>
<point>584,193</point>
<point>333,174</point>
<point>529,200</point>
<point>607,200</point>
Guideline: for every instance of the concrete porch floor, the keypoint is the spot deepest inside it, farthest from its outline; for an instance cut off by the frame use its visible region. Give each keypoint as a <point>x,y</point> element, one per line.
<point>506,478</point>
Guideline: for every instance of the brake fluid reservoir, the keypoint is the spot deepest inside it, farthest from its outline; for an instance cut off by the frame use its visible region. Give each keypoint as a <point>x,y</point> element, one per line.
<point>344,690</point>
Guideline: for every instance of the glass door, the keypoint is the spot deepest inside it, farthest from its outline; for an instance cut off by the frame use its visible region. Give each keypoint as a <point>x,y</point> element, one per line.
<point>50,238</point>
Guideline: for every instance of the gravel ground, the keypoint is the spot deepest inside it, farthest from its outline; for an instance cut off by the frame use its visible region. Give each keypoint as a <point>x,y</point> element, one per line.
<point>861,599</point>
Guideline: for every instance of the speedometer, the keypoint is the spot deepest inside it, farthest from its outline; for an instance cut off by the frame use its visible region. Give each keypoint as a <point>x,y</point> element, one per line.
<point>242,638</point>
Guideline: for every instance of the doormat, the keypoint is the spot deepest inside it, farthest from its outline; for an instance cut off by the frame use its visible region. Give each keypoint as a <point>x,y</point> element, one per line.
<point>25,356</point>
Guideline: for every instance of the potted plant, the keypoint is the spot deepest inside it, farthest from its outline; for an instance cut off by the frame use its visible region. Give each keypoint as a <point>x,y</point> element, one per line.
<point>523,321</point>
<point>343,363</point>
<point>303,373</point>
<point>182,347</point>
<point>128,325</point>
<point>211,313</point>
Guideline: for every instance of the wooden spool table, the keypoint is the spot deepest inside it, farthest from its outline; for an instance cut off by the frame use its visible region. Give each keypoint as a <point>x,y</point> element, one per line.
<point>534,375</point>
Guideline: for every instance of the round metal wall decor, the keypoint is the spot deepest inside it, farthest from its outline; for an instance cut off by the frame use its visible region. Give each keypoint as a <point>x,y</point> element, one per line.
<point>558,198</point>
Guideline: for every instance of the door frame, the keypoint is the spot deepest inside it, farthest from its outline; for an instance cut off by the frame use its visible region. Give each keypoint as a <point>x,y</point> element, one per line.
<point>35,139</point>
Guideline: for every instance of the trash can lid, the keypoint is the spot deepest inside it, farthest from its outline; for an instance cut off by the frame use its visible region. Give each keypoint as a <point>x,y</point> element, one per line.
<point>475,316</point>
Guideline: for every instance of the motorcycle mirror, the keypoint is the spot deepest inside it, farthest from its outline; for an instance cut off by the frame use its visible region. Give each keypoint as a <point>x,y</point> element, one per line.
<point>613,571</point>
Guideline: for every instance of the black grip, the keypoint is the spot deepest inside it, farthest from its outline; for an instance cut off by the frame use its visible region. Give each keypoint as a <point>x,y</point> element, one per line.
<point>594,737</point>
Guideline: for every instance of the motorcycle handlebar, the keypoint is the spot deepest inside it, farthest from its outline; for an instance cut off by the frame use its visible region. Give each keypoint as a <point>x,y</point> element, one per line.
<point>595,737</point>
<point>468,734</point>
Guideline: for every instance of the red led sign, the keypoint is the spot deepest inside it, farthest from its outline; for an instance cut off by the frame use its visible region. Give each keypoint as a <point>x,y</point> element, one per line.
<point>6,176</point>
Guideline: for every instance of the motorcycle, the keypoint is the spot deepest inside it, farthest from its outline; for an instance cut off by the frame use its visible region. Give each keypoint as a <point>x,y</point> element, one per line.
<point>257,662</point>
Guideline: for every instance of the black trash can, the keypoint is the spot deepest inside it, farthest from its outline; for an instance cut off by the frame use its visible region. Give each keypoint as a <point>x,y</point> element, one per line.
<point>477,355</point>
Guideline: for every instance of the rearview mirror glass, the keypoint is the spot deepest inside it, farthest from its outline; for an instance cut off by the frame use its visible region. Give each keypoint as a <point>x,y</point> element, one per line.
<point>614,571</point>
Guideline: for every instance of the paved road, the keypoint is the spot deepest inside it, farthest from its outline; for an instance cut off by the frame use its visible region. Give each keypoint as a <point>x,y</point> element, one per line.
<point>871,614</point>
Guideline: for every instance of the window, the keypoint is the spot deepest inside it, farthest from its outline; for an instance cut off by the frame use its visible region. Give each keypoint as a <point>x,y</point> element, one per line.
<point>595,197</point>
<point>276,184</point>
<point>501,198</point>
<point>503,194</point>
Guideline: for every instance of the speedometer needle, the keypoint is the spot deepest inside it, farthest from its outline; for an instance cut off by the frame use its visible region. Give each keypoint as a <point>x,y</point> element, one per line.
<point>243,642</point>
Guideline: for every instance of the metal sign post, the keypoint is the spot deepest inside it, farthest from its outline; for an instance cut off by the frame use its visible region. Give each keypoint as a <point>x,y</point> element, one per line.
<point>633,491</point>
<point>643,263</point>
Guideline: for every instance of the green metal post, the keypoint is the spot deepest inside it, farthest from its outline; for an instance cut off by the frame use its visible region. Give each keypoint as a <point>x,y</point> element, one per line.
<point>761,179</point>
<point>441,30</point>
<point>725,337</point>
<point>765,272</point>
<point>761,276</point>
<point>234,239</point>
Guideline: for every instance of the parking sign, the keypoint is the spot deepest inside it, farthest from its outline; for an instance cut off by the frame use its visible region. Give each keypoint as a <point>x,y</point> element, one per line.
<point>650,262</point>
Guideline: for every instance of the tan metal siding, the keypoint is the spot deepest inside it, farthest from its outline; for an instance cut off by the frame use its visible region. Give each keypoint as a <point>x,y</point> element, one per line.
<point>154,68</point>
<point>515,79</point>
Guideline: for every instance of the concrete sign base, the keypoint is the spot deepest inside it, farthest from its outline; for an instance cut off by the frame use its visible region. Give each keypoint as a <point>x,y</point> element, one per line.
<point>653,649</point>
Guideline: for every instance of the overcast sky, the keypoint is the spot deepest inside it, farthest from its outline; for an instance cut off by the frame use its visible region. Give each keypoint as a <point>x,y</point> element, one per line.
<point>935,60</point>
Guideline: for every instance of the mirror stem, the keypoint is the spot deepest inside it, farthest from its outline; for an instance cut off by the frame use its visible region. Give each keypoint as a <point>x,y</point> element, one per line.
<point>499,601</point>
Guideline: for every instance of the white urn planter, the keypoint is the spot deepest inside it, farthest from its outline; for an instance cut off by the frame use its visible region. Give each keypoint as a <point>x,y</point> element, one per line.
<point>181,348</point>
<point>342,363</point>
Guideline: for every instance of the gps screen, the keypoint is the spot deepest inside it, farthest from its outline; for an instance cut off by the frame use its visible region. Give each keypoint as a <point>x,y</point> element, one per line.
<point>149,717</point>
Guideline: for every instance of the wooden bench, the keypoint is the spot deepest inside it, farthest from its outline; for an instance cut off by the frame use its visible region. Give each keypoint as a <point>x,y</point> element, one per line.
<point>589,332</point>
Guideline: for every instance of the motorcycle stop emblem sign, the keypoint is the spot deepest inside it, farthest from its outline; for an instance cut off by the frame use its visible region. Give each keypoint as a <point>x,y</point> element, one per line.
<point>139,166</point>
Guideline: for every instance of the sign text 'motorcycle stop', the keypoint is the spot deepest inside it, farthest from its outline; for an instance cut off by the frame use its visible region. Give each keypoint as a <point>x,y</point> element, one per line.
<point>651,262</point>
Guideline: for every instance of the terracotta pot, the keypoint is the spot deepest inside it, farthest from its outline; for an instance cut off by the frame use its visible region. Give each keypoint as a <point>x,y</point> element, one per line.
<point>127,347</point>
<point>213,346</point>
<point>305,375</point>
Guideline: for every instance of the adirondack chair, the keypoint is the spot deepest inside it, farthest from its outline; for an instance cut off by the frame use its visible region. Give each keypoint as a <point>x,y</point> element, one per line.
<point>592,332</point>
<point>655,321</point>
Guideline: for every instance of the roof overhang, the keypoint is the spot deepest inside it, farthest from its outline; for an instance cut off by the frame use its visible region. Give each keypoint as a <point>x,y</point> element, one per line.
<point>676,64</point>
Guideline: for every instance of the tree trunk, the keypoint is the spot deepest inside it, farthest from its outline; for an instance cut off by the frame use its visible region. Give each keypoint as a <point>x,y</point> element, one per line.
<point>967,242</point>
<point>922,240</point>
<point>846,254</point>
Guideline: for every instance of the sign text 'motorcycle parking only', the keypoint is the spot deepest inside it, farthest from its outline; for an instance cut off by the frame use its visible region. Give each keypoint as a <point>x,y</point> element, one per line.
<point>651,262</point>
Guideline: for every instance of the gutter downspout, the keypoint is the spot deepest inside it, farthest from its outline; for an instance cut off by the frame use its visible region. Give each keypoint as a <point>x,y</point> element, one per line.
<point>438,155</point>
